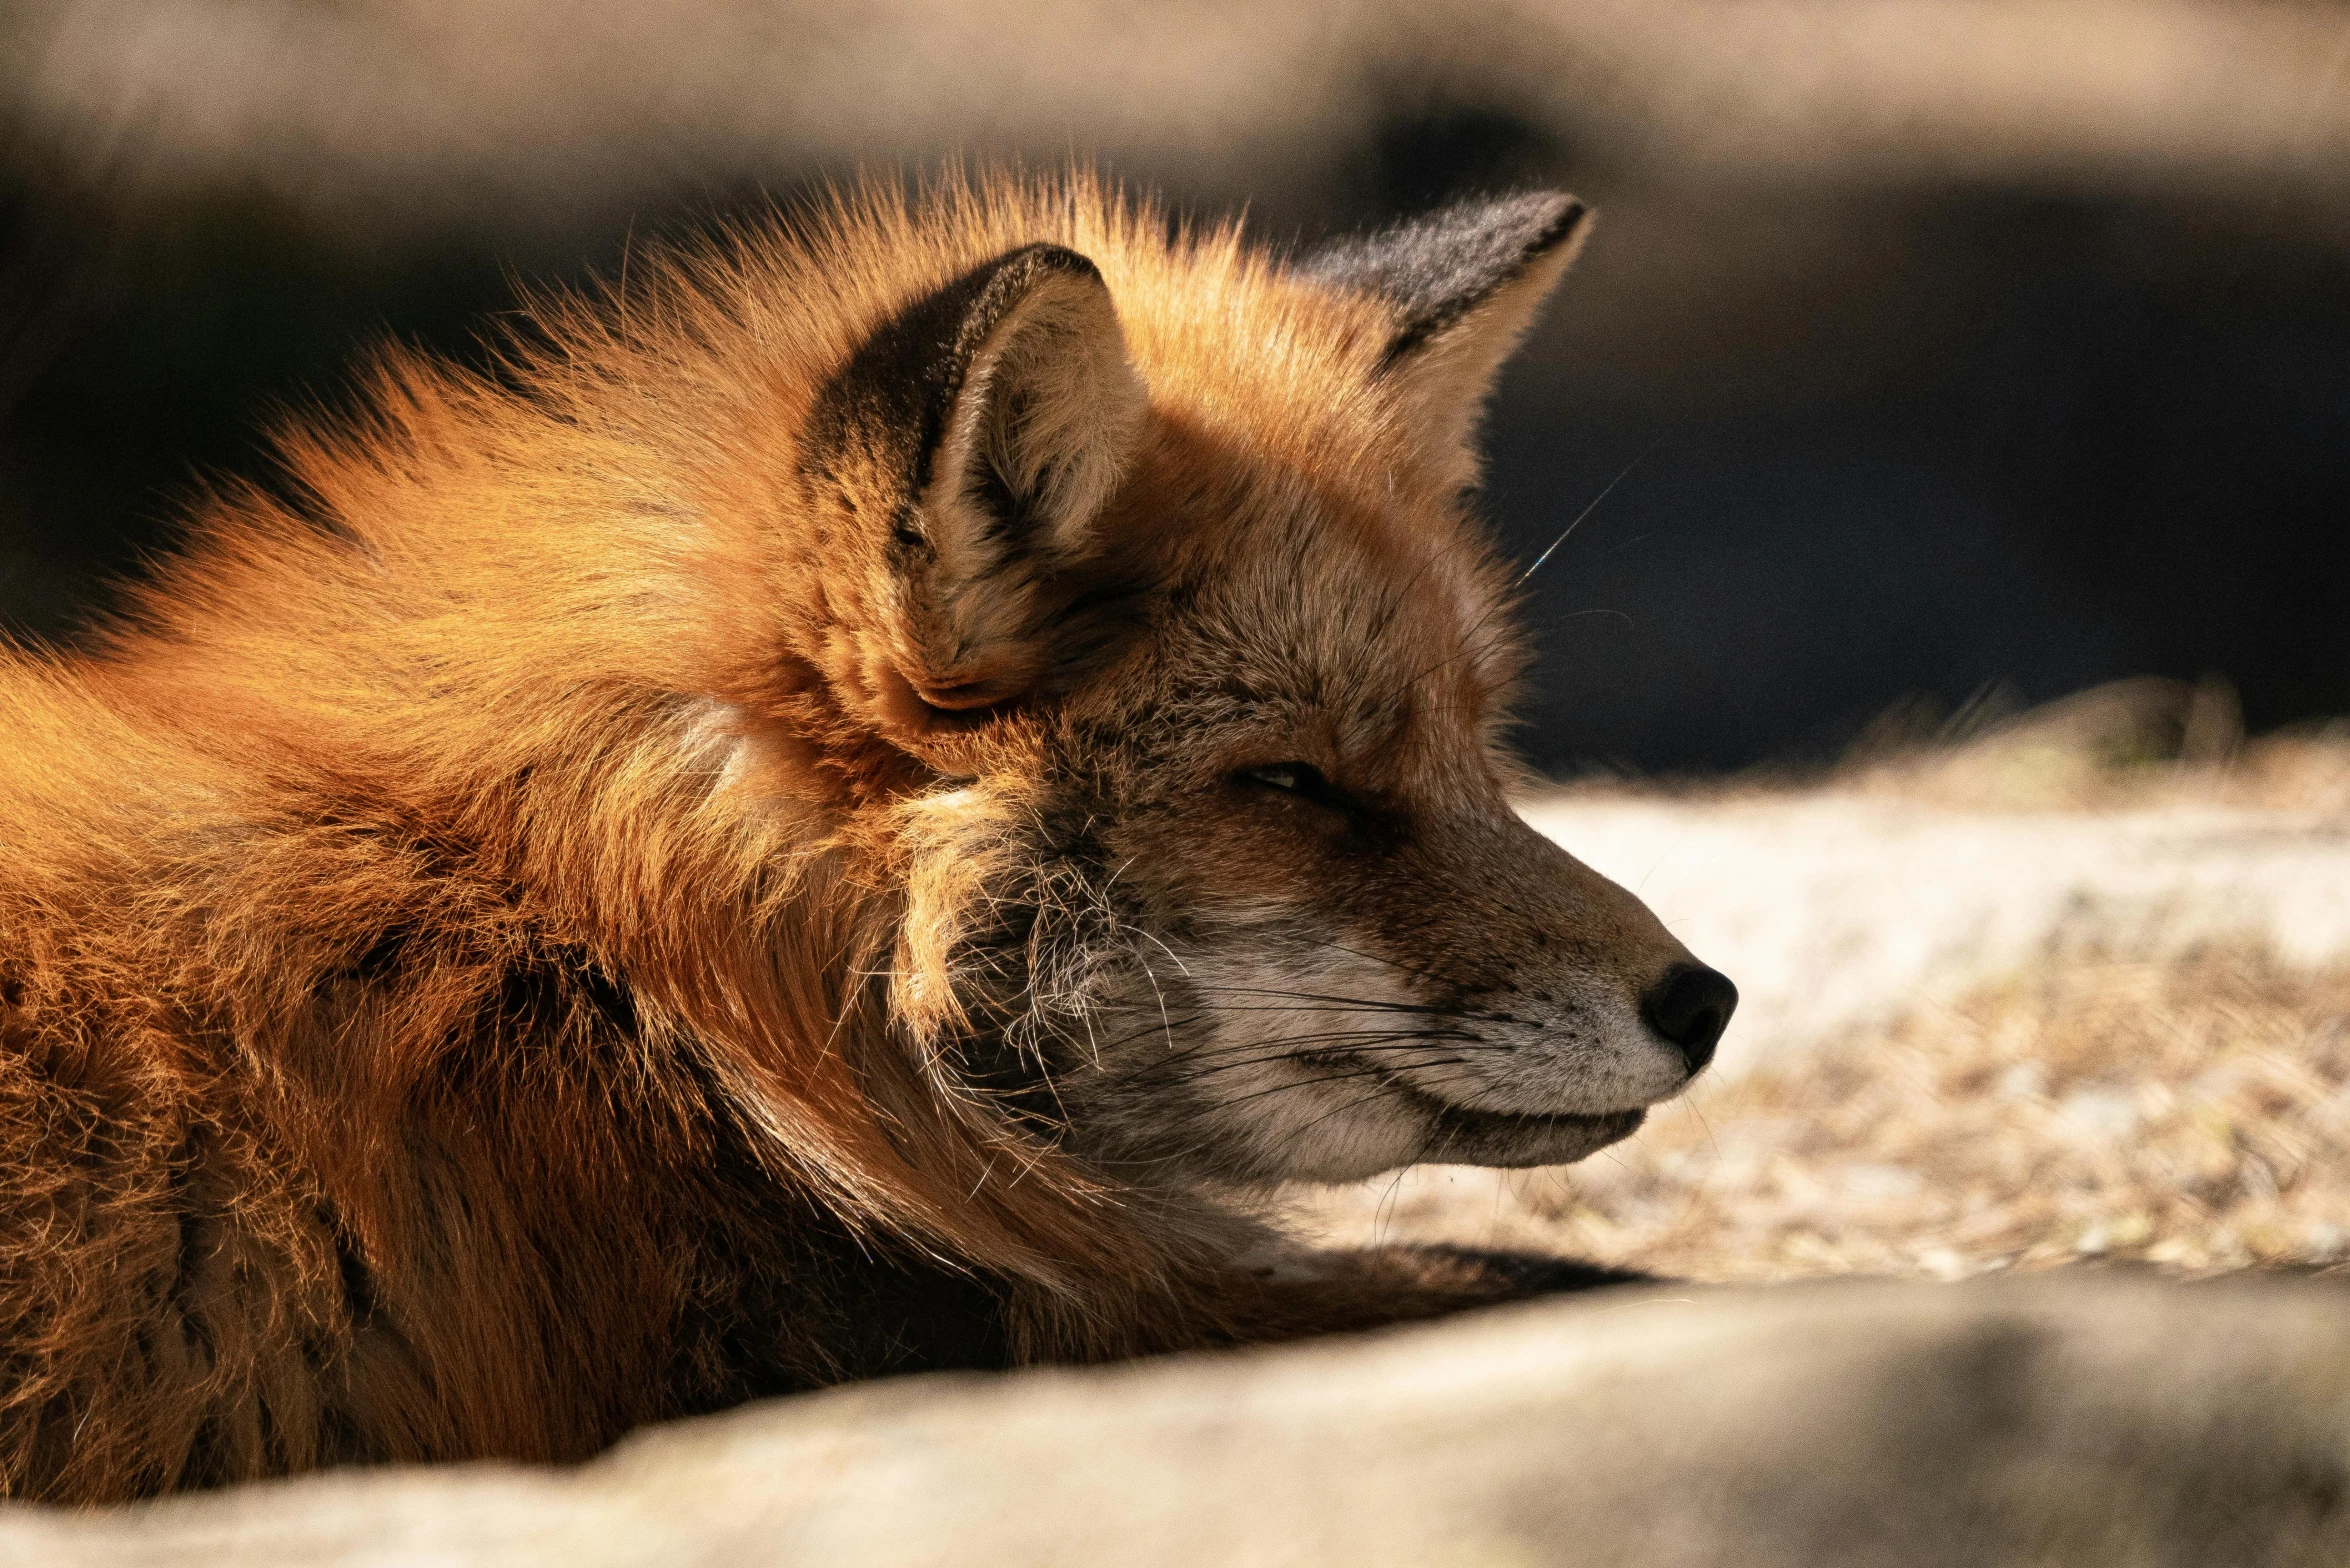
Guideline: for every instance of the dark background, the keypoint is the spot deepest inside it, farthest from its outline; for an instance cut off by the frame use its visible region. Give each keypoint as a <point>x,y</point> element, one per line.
<point>1916,400</point>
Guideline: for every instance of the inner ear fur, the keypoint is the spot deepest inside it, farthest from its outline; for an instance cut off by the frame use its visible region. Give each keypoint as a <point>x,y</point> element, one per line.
<point>1464,283</point>
<point>976,435</point>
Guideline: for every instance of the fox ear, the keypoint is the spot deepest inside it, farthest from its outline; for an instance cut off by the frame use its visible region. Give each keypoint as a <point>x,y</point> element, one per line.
<point>1464,284</point>
<point>972,441</point>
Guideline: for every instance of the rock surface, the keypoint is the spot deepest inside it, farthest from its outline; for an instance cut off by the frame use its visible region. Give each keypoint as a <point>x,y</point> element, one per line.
<point>2068,1419</point>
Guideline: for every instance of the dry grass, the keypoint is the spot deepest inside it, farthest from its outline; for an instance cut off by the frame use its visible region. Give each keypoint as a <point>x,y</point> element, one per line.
<point>2194,1115</point>
<point>2128,745</point>
<point>2188,1109</point>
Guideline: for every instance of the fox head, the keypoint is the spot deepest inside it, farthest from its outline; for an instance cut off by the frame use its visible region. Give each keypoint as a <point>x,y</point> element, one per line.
<point>1140,588</point>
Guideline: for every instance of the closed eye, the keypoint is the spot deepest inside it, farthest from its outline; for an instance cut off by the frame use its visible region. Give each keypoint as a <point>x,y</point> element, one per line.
<point>1294,778</point>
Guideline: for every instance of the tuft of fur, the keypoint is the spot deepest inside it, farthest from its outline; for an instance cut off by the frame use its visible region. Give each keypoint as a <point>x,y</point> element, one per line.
<point>735,854</point>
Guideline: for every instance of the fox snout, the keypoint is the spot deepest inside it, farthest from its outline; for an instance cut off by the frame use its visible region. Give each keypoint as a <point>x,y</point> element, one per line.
<point>1597,1007</point>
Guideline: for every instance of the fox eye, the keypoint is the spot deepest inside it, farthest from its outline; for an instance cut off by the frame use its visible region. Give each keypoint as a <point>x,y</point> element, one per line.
<point>1297,778</point>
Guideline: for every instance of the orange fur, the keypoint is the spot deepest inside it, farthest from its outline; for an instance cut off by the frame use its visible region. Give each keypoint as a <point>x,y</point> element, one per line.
<point>484,944</point>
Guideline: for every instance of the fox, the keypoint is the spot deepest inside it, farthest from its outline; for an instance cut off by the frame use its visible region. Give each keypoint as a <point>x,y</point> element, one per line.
<point>847,803</point>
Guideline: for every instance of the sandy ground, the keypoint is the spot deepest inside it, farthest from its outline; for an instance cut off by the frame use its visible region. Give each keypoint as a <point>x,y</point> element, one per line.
<point>2008,1004</point>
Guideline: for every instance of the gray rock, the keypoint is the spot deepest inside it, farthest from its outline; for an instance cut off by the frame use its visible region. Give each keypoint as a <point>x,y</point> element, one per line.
<point>2085,1419</point>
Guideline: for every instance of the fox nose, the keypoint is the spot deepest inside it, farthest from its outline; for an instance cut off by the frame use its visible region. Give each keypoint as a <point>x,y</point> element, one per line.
<point>1690,1007</point>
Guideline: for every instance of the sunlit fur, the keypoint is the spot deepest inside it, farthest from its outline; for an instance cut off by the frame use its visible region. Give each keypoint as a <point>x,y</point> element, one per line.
<point>510,935</point>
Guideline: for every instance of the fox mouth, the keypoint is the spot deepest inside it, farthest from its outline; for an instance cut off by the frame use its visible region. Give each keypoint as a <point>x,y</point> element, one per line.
<point>1465,1135</point>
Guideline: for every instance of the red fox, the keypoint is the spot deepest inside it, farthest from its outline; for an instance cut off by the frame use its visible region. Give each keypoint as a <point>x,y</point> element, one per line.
<point>807,825</point>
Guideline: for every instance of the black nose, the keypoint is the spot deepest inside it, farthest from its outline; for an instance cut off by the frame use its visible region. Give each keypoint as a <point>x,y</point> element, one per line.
<point>1691,1006</point>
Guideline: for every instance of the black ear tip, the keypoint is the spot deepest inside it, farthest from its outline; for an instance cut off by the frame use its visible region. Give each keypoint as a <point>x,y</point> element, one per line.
<point>1528,223</point>
<point>1438,267</point>
<point>1011,277</point>
<point>1565,215</point>
<point>1028,262</point>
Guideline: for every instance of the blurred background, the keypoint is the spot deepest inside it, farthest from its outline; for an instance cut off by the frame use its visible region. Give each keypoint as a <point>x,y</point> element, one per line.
<point>1942,347</point>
